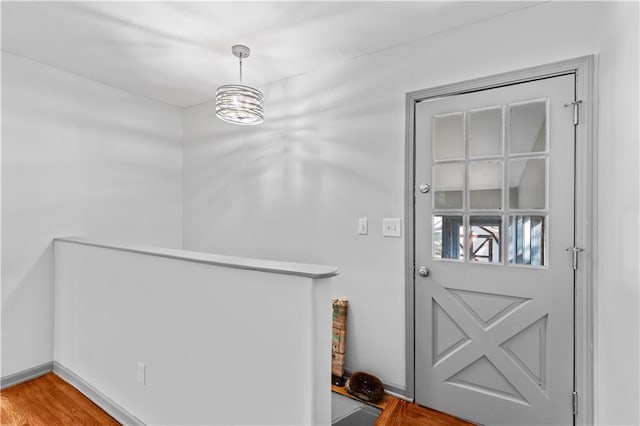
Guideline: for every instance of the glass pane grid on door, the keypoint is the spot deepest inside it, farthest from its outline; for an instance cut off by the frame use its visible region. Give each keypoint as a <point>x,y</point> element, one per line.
<point>527,164</point>
<point>490,181</point>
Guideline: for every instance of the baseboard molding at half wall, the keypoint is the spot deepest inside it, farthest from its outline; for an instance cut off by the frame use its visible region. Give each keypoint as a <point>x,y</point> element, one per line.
<point>24,375</point>
<point>97,397</point>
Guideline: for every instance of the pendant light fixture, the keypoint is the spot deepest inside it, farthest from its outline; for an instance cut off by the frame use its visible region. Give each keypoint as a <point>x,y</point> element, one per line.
<point>237,103</point>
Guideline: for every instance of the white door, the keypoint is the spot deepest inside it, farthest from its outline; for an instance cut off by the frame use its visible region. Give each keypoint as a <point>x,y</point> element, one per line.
<point>494,316</point>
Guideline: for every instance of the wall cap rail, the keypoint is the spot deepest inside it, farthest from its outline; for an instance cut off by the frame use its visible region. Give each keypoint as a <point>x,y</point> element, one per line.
<point>272,266</point>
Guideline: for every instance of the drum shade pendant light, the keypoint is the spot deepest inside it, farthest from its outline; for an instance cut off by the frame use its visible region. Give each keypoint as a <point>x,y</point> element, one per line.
<point>237,103</point>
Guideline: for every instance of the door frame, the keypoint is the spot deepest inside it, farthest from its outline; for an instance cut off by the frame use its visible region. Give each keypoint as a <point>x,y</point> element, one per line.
<point>585,227</point>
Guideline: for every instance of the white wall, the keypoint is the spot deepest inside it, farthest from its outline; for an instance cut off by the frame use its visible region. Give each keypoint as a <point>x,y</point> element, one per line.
<point>78,158</point>
<point>221,345</point>
<point>332,150</point>
<point>618,280</point>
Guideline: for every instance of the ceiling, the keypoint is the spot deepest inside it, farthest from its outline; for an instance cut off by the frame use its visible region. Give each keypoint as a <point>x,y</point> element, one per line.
<point>179,52</point>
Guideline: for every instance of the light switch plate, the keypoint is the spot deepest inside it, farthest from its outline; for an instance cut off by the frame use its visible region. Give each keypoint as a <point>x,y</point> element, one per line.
<point>392,227</point>
<point>363,226</point>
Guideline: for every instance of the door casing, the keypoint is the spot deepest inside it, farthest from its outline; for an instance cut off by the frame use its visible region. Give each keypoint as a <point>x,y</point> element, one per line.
<point>585,198</point>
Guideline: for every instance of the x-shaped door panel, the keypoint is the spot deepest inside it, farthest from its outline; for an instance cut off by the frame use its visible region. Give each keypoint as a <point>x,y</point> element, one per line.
<point>493,350</point>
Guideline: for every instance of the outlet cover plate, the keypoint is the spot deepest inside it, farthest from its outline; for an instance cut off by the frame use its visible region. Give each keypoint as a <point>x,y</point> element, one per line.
<point>142,374</point>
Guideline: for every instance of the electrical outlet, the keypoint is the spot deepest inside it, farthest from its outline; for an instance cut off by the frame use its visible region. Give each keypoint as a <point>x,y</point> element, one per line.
<point>142,374</point>
<point>392,227</point>
<point>363,226</point>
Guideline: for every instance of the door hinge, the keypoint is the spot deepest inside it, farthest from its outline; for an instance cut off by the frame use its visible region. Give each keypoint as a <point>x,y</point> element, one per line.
<point>576,111</point>
<point>575,250</point>
<point>574,403</point>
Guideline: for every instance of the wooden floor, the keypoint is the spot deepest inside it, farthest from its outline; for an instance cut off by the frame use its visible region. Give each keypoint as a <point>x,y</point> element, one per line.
<point>396,412</point>
<point>402,413</point>
<point>49,400</point>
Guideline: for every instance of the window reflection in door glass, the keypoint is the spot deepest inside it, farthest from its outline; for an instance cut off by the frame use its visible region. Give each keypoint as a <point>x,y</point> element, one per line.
<point>528,127</point>
<point>484,238</point>
<point>448,182</point>
<point>448,132</point>
<point>485,185</point>
<point>527,183</point>
<point>448,237</point>
<point>485,132</point>
<point>526,240</point>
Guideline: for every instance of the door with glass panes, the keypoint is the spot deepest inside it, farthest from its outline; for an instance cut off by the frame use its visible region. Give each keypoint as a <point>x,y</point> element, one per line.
<point>494,282</point>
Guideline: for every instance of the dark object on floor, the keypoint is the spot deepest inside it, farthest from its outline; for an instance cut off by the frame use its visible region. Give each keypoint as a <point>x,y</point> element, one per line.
<point>337,381</point>
<point>365,386</point>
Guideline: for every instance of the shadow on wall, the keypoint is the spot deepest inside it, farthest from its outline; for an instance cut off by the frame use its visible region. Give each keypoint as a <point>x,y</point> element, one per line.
<point>331,150</point>
<point>324,152</point>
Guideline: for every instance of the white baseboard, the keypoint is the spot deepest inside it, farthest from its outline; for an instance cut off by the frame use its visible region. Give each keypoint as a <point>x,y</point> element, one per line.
<point>97,397</point>
<point>24,375</point>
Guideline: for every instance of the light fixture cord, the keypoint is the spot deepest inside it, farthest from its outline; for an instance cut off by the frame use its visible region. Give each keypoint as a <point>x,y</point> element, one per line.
<point>240,69</point>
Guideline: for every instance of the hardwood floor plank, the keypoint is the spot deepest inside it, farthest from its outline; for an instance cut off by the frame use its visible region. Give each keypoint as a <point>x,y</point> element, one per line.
<point>49,400</point>
<point>402,413</point>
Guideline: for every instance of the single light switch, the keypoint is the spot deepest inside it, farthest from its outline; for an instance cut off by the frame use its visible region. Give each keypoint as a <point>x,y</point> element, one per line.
<point>363,226</point>
<point>392,227</point>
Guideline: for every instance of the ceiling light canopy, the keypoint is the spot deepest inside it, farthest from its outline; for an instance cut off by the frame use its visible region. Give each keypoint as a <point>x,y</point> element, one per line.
<point>237,103</point>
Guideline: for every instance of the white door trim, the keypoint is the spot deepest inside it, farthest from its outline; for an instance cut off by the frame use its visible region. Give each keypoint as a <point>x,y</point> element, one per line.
<point>583,68</point>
